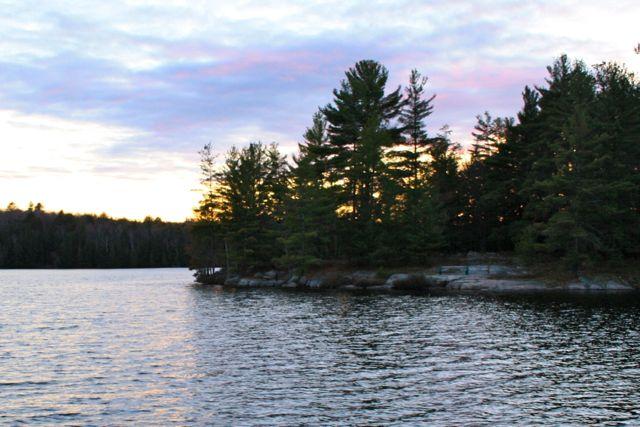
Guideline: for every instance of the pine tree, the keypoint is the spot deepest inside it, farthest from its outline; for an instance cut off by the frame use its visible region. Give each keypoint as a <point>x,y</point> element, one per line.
<point>361,128</point>
<point>250,193</point>
<point>616,165</point>
<point>309,232</point>
<point>413,225</point>
<point>479,213</point>
<point>207,244</point>
<point>557,185</point>
<point>445,186</point>
<point>370,186</point>
<point>409,160</point>
<point>206,208</point>
<point>507,170</point>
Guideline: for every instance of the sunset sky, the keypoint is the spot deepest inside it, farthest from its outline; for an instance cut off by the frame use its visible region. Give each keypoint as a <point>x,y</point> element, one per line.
<point>104,105</point>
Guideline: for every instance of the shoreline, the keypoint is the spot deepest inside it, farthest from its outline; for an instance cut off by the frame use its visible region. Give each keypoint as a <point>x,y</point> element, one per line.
<point>474,275</point>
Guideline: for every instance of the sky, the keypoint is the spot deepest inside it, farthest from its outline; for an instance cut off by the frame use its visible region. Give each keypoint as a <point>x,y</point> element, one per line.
<point>105,104</point>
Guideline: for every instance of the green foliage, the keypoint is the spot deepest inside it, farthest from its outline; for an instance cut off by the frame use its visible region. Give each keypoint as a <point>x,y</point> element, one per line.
<point>244,209</point>
<point>34,238</point>
<point>572,166</point>
<point>360,129</point>
<point>478,213</point>
<point>309,231</point>
<point>371,186</point>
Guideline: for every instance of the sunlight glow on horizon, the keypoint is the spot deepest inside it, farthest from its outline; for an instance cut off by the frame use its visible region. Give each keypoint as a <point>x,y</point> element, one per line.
<point>51,162</point>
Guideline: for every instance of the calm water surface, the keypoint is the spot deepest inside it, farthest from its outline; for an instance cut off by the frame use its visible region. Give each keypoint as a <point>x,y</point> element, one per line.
<point>149,347</point>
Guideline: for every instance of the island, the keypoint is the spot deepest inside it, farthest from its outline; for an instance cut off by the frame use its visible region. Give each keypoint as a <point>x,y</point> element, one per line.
<point>374,199</point>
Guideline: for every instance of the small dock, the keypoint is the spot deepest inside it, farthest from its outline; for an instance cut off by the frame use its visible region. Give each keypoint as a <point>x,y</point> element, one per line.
<point>210,275</point>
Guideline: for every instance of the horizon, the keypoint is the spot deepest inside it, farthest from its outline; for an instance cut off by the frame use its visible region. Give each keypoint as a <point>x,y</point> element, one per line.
<point>105,107</point>
<point>33,205</point>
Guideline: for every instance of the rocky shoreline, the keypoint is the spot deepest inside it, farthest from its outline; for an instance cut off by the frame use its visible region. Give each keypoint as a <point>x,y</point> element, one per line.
<point>475,278</point>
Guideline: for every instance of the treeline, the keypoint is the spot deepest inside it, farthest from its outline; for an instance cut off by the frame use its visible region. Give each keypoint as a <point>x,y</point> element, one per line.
<point>34,238</point>
<point>371,185</point>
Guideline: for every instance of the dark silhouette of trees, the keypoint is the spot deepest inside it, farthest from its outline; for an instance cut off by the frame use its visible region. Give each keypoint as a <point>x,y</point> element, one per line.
<point>362,126</point>
<point>34,238</point>
<point>309,232</point>
<point>372,185</point>
<point>241,223</point>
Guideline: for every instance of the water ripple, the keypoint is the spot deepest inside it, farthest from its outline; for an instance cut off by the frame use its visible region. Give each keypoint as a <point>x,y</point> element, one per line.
<point>114,347</point>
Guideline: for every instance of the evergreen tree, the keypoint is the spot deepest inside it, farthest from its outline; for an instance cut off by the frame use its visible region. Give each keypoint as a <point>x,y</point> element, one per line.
<point>615,169</point>
<point>410,158</point>
<point>309,233</point>
<point>412,226</point>
<point>479,214</point>
<point>35,238</point>
<point>370,186</point>
<point>206,209</point>
<point>506,171</point>
<point>588,209</point>
<point>445,186</point>
<point>361,127</point>
<point>250,191</point>
<point>554,182</point>
<point>207,246</point>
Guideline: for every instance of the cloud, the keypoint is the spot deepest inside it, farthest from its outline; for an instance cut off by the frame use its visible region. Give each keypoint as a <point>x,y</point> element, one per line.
<point>178,74</point>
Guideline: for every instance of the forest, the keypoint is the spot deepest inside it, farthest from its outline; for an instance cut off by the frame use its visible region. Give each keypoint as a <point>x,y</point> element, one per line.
<point>34,238</point>
<point>373,185</point>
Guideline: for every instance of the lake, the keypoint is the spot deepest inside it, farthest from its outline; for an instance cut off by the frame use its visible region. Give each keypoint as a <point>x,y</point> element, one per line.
<point>114,347</point>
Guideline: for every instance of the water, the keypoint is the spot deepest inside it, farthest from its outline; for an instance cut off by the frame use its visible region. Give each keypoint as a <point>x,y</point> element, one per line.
<point>114,347</point>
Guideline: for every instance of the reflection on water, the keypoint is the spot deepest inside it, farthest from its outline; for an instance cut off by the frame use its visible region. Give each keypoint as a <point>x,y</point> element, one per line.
<point>149,347</point>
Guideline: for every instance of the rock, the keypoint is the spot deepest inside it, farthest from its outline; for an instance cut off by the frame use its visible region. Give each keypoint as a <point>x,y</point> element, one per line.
<point>270,275</point>
<point>496,285</point>
<point>598,284</point>
<point>505,270</point>
<point>452,269</point>
<point>397,278</point>
<point>270,283</point>
<point>478,270</point>
<point>456,282</point>
<point>360,279</point>
<point>244,282</point>
<point>508,285</point>
<point>361,274</point>
<point>612,285</point>
<point>484,270</point>
<point>480,278</point>
<point>315,283</point>
<point>232,281</point>
<point>439,280</point>
<point>255,282</point>
<point>406,281</point>
<point>383,287</point>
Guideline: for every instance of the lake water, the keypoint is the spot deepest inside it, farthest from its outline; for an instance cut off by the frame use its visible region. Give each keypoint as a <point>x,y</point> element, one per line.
<point>144,347</point>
